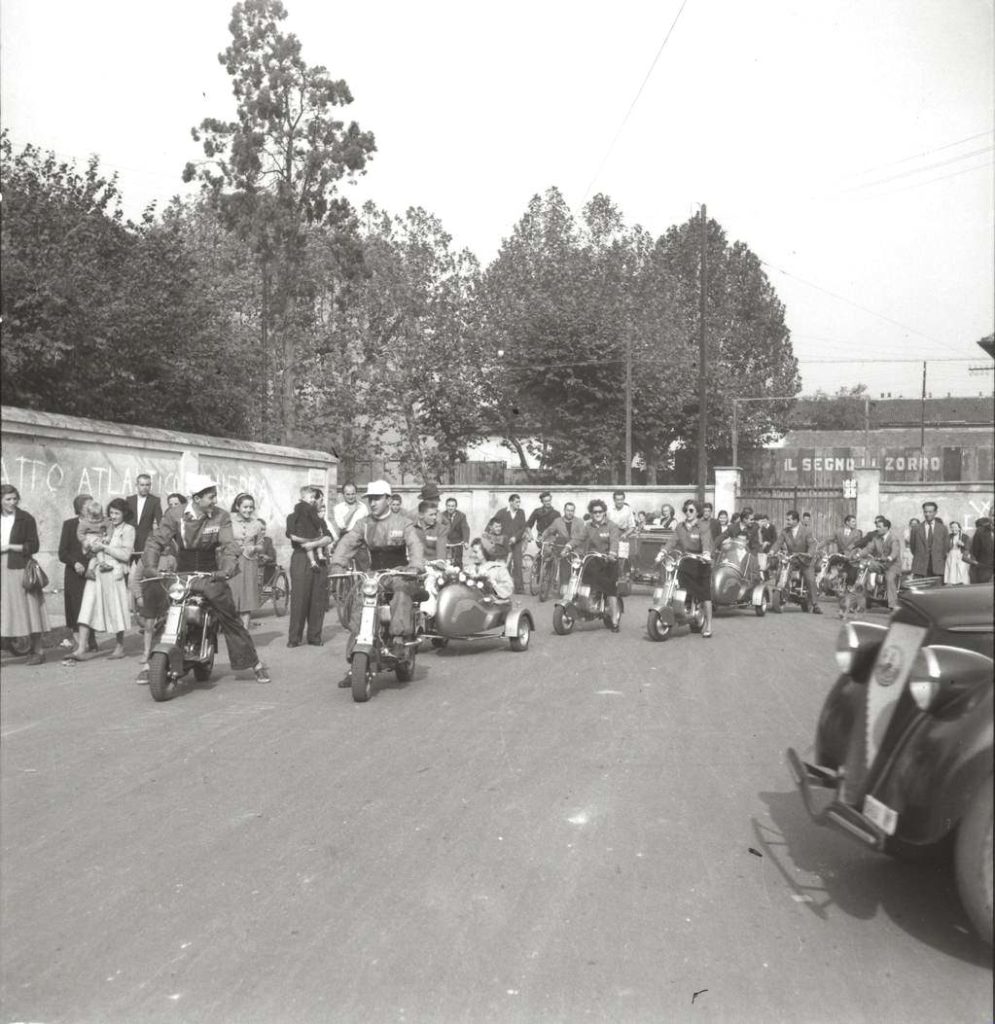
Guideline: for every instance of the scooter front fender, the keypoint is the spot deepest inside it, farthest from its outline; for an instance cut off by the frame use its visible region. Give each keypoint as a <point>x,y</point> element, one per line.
<point>667,616</point>
<point>173,655</point>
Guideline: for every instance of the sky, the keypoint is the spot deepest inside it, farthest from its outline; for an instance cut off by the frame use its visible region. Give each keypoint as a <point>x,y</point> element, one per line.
<point>849,144</point>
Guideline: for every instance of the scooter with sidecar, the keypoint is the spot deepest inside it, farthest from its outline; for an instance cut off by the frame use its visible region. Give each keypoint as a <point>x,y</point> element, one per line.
<point>736,578</point>
<point>375,648</point>
<point>465,609</point>
<point>870,587</point>
<point>580,599</point>
<point>671,605</point>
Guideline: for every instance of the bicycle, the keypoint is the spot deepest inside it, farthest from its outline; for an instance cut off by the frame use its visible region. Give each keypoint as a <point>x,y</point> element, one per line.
<point>545,570</point>
<point>274,585</point>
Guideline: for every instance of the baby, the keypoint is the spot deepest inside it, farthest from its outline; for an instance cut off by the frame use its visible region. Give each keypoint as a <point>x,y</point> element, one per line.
<point>93,527</point>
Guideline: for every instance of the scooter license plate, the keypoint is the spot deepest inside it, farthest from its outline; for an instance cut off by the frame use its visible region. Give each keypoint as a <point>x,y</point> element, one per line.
<point>881,814</point>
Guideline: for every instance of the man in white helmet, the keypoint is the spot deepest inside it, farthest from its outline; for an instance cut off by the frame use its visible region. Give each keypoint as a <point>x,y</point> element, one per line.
<point>382,540</point>
<point>204,542</point>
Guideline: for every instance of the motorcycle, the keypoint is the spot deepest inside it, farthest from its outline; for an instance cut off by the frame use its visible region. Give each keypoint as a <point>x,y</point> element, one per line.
<point>870,588</point>
<point>463,610</point>
<point>830,579</point>
<point>788,583</point>
<point>375,648</point>
<point>189,638</point>
<point>671,606</point>
<point>580,600</point>
<point>736,578</point>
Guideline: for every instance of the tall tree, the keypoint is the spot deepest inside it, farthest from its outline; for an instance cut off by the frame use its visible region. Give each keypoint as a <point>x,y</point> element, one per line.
<point>276,170</point>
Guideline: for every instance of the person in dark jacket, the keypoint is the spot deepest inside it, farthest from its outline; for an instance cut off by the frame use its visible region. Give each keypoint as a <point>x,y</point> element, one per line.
<point>512,520</point>
<point>308,584</point>
<point>146,511</point>
<point>74,578</point>
<point>981,551</point>
<point>22,612</point>
<point>457,531</point>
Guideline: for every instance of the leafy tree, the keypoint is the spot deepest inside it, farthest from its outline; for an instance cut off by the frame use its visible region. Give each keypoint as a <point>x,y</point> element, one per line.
<point>842,411</point>
<point>275,171</point>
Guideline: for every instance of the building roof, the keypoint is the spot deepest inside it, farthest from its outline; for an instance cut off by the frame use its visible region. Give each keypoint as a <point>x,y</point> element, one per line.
<point>902,412</point>
<point>890,437</point>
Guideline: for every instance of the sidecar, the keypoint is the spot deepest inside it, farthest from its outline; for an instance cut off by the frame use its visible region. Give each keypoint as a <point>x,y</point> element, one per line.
<point>736,578</point>
<point>463,611</point>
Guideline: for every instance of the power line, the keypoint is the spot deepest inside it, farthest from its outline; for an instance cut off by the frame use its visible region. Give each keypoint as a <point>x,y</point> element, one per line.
<point>915,156</point>
<point>632,105</point>
<point>850,302</point>
<point>921,184</point>
<point>857,359</point>
<point>918,170</point>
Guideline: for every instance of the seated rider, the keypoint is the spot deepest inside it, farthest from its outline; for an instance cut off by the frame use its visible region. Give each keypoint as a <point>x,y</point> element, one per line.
<point>500,585</point>
<point>204,543</point>
<point>600,536</point>
<point>382,540</point>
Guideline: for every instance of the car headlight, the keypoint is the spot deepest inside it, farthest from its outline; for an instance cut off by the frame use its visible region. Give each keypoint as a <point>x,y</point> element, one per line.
<point>855,647</point>
<point>941,673</point>
<point>924,680</point>
<point>177,592</point>
<point>369,588</point>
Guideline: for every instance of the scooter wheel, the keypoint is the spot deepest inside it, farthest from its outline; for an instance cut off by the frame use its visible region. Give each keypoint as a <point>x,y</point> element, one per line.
<point>656,627</point>
<point>362,684</point>
<point>160,685</point>
<point>562,622</point>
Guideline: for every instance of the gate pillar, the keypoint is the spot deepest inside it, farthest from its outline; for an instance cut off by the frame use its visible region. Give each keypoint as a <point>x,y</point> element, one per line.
<point>868,496</point>
<point>727,486</point>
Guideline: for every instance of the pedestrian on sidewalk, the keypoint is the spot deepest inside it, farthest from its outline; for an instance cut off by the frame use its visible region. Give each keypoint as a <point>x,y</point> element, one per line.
<point>72,556</point>
<point>22,612</point>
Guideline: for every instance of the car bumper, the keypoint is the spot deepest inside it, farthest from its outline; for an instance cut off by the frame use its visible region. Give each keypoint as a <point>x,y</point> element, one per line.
<point>819,787</point>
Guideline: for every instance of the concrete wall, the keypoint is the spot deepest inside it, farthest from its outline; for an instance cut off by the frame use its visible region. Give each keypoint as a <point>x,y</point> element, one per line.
<point>52,458</point>
<point>963,502</point>
<point>482,501</point>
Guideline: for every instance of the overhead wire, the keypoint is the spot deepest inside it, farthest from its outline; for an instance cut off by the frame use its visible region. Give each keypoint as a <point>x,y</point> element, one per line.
<point>916,156</point>
<point>917,170</point>
<point>635,100</point>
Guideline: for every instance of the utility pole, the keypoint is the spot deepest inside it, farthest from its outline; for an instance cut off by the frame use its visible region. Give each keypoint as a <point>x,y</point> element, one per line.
<point>702,363</point>
<point>867,430</point>
<point>628,405</point>
<point>922,427</point>
<point>735,431</point>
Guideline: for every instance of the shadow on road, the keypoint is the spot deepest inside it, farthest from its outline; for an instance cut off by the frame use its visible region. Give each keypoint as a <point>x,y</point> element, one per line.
<point>920,898</point>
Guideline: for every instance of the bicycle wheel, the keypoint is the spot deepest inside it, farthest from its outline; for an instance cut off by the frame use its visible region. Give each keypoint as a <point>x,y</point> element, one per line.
<point>535,575</point>
<point>281,589</point>
<point>547,578</point>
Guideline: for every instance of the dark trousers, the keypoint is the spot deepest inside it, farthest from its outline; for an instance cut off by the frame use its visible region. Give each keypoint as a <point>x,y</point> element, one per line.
<point>241,649</point>
<point>308,598</point>
<point>516,567</point>
<point>454,553</point>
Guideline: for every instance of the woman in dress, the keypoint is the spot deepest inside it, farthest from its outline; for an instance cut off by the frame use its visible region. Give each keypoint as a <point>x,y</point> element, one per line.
<point>956,569</point>
<point>74,578</point>
<point>248,531</point>
<point>907,540</point>
<point>22,612</point>
<point>694,537</point>
<point>105,607</point>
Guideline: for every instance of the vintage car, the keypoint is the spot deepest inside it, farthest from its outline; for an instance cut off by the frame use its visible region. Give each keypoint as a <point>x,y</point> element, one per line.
<point>644,546</point>
<point>903,749</point>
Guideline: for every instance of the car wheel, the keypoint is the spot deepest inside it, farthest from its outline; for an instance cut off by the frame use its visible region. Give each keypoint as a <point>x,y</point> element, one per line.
<point>973,861</point>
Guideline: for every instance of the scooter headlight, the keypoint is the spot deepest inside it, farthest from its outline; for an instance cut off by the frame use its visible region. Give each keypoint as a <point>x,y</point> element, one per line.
<point>575,562</point>
<point>369,588</point>
<point>177,592</point>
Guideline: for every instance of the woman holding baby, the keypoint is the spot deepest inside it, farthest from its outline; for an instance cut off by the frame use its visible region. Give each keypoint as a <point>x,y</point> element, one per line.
<point>107,542</point>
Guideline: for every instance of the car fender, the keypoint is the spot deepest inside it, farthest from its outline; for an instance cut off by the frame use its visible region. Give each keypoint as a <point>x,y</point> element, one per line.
<point>934,777</point>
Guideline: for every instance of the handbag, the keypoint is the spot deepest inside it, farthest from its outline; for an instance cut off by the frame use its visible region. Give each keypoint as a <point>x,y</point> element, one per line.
<point>34,578</point>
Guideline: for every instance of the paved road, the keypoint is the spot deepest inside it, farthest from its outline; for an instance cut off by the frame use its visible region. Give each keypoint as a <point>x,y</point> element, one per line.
<point>600,829</point>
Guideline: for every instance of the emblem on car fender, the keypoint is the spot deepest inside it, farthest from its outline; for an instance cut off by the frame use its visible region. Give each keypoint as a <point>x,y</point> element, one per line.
<point>889,665</point>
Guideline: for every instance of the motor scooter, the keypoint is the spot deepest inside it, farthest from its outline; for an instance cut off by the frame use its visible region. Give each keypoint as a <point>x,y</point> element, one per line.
<point>580,600</point>
<point>787,585</point>
<point>736,578</point>
<point>870,588</point>
<point>189,638</point>
<point>671,605</point>
<point>375,648</point>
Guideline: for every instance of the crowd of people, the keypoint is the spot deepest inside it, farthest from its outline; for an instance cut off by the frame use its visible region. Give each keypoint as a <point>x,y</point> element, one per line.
<point>109,552</point>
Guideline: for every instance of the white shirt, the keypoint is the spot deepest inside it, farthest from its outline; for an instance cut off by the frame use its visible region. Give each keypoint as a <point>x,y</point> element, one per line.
<point>623,517</point>
<point>140,505</point>
<point>6,525</point>
<point>345,516</point>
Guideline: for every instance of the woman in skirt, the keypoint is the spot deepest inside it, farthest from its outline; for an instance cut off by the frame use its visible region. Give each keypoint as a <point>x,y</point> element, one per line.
<point>22,612</point>
<point>693,537</point>
<point>248,532</point>
<point>105,607</point>
<point>601,536</point>
<point>71,555</point>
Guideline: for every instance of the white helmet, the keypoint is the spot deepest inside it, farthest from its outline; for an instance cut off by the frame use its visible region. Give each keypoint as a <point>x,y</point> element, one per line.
<point>197,483</point>
<point>378,488</point>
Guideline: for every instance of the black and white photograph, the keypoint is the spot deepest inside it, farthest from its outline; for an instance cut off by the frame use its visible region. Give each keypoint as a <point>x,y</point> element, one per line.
<point>496,512</point>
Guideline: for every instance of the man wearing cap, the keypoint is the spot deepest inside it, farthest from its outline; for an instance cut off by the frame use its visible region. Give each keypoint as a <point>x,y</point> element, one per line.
<point>204,542</point>
<point>308,532</point>
<point>383,540</point>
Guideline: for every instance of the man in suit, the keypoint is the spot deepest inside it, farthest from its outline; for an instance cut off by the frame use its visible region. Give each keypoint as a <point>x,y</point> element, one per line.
<point>795,539</point>
<point>512,522</point>
<point>457,532</point>
<point>930,543</point>
<point>146,511</point>
<point>886,547</point>
<point>715,528</point>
